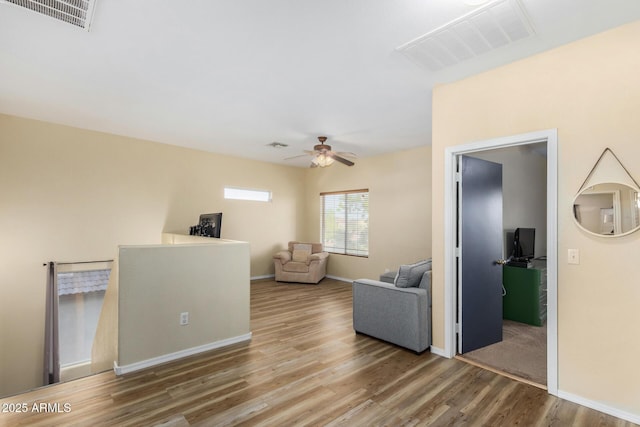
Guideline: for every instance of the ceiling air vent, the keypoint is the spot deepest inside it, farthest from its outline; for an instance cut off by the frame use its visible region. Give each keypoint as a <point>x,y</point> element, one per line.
<point>74,12</point>
<point>495,25</point>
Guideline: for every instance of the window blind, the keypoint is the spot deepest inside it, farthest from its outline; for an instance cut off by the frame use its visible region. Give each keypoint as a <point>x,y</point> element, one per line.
<point>345,222</point>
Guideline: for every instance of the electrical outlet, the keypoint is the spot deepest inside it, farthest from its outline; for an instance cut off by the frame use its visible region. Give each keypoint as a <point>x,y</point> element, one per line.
<point>184,318</point>
<point>573,256</point>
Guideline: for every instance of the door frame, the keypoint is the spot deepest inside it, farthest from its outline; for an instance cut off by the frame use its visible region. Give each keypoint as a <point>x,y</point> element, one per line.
<point>550,136</point>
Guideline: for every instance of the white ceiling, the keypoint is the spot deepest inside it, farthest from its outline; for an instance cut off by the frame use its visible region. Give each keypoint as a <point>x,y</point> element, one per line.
<point>233,76</point>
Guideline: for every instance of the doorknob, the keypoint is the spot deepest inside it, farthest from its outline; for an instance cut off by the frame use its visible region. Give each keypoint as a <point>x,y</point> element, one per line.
<point>501,262</point>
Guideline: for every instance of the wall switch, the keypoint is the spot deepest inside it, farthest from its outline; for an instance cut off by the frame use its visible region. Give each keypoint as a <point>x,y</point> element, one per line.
<point>184,318</point>
<point>573,256</point>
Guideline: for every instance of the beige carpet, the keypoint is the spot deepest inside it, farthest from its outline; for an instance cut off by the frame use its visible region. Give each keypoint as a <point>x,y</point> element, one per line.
<point>522,352</point>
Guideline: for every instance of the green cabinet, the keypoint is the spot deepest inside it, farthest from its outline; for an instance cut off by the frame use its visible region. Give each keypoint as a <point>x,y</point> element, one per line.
<point>525,298</point>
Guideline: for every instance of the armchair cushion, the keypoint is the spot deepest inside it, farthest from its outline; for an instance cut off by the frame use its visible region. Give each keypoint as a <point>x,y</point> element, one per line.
<point>301,252</point>
<point>296,267</point>
<point>315,247</point>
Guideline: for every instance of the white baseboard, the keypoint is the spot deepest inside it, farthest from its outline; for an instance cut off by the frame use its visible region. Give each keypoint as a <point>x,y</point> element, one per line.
<point>598,406</point>
<point>75,370</point>
<point>143,364</point>
<point>342,279</point>
<point>266,276</point>
<point>438,351</point>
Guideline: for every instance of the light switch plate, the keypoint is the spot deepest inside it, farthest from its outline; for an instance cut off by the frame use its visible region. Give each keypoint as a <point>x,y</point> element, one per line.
<point>573,256</point>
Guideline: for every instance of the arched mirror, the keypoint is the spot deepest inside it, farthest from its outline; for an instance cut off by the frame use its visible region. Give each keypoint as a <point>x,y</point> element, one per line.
<point>608,202</point>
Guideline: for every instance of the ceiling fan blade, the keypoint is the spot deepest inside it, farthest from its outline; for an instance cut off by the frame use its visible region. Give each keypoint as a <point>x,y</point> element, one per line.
<point>296,157</point>
<point>337,158</point>
<point>347,154</point>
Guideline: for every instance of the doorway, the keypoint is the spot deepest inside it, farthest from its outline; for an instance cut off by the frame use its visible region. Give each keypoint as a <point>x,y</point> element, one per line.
<point>517,317</point>
<point>548,137</point>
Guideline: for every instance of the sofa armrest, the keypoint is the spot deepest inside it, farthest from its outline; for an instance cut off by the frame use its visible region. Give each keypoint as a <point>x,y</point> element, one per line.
<point>398,315</point>
<point>283,256</point>
<point>389,288</point>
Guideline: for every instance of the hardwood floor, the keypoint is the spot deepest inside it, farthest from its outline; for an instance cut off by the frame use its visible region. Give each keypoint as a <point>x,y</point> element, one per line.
<point>304,366</point>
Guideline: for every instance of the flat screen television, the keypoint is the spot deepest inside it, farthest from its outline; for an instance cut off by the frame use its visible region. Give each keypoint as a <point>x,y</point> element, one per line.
<point>524,240</point>
<point>210,224</point>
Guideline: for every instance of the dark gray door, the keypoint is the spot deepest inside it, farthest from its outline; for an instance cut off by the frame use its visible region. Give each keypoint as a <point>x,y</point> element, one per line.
<point>480,240</point>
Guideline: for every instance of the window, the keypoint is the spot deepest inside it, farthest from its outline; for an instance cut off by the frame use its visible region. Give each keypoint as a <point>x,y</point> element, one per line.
<point>345,222</point>
<point>74,297</point>
<point>80,297</point>
<point>246,194</point>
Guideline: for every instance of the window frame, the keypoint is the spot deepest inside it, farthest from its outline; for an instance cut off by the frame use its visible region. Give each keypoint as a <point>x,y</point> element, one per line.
<point>348,249</point>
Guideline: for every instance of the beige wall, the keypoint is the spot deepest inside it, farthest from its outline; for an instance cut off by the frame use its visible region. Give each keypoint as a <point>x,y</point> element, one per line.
<point>156,283</point>
<point>69,195</point>
<point>399,209</point>
<point>589,90</point>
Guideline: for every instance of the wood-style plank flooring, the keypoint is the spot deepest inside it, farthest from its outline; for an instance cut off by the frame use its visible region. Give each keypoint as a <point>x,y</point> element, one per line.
<point>303,367</point>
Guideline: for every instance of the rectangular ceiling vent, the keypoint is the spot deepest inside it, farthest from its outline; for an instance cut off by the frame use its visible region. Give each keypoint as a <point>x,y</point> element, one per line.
<point>492,26</point>
<point>74,12</point>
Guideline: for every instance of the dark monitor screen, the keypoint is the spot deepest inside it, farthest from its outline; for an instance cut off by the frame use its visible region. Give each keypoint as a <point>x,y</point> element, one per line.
<point>210,224</point>
<point>524,243</point>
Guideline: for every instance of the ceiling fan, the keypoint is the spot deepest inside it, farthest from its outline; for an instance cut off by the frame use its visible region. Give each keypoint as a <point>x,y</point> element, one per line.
<point>323,156</point>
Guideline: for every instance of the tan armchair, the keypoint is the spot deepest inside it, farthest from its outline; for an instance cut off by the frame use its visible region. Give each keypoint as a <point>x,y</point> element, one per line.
<point>301,263</point>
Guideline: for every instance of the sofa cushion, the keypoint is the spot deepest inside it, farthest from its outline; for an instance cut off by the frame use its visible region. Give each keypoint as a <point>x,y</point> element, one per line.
<point>410,275</point>
<point>301,252</point>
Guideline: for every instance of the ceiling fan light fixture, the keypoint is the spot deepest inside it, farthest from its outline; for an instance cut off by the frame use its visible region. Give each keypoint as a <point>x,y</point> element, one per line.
<point>323,156</point>
<point>322,160</point>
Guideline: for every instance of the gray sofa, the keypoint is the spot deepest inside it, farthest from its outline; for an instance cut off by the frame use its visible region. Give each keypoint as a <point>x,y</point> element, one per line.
<point>396,308</point>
